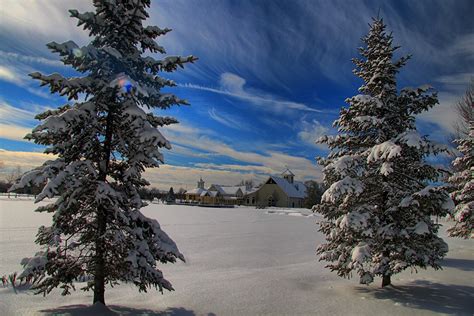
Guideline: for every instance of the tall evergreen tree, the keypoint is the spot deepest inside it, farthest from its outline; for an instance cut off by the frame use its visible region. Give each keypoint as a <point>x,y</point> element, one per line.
<point>463,182</point>
<point>378,206</point>
<point>103,144</point>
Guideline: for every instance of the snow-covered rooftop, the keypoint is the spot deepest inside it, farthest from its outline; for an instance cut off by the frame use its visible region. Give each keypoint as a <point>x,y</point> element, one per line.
<point>287,172</point>
<point>296,189</point>
<point>197,191</point>
<point>227,190</point>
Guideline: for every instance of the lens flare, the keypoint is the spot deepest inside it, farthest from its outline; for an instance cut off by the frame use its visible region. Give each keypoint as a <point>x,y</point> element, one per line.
<point>125,85</point>
<point>77,52</point>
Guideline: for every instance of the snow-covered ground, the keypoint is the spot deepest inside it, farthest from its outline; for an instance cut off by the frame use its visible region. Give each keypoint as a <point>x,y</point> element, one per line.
<point>243,261</point>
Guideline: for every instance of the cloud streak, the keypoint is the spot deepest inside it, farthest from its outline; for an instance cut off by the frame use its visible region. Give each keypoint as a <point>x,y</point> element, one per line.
<point>25,160</point>
<point>311,131</point>
<point>17,74</point>
<point>14,57</point>
<point>233,86</point>
<point>13,132</point>
<point>443,115</point>
<point>227,120</point>
<point>268,161</point>
<point>11,114</point>
<point>8,75</point>
<point>167,176</point>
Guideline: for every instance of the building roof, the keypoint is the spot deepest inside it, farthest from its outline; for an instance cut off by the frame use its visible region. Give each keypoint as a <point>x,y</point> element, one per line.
<point>296,189</point>
<point>197,191</point>
<point>227,191</point>
<point>246,190</point>
<point>287,172</point>
<point>231,190</point>
<point>213,193</point>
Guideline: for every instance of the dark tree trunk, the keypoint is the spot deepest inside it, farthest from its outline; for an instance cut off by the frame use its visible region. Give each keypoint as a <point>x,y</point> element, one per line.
<point>386,277</point>
<point>99,276</point>
<point>100,247</point>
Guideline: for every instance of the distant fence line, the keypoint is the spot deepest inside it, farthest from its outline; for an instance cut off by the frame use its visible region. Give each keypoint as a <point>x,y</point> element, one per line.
<point>13,195</point>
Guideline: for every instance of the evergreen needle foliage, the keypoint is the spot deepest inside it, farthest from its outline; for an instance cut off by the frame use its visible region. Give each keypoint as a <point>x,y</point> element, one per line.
<point>102,145</point>
<point>463,183</point>
<point>378,209</point>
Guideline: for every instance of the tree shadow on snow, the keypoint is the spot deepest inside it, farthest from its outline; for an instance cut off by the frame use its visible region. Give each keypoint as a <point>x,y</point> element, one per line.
<point>461,264</point>
<point>86,310</point>
<point>436,297</point>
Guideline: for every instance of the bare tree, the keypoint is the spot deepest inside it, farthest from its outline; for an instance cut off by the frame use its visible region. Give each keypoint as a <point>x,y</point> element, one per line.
<point>13,175</point>
<point>465,109</point>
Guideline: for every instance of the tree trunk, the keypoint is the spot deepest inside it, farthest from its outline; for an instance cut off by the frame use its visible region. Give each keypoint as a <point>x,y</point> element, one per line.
<point>386,280</point>
<point>99,275</point>
<point>100,247</point>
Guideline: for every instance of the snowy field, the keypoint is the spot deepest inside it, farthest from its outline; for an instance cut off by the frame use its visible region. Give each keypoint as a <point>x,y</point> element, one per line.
<point>243,261</point>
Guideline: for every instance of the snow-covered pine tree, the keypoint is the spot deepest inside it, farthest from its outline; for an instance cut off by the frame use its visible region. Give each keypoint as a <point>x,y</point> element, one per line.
<point>379,205</point>
<point>463,183</point>
<point>103,144</point>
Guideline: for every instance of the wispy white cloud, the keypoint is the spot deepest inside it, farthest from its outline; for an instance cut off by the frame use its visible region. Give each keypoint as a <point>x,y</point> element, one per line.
<point>16,122</point>
<point>271,161</point>
<point>235,167</point>
<point>457,81</point>
<point>42,21</point>
<point>311,131</point>
<point>234,86</point>
<point>179,150</point>
<point>11,114</point>
<point>464,46</point>
<point>9,75</point>
<point>167,176</point>
<point>17,74</point>
<point>444,115</point>
<point>228,174</point>
<point>227,120</point>
<point>13,132</point>
<point>23,159</point>
<point>14,57</point>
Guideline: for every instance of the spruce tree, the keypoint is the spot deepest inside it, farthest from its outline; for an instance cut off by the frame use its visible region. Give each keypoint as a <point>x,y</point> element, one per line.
<point>379,204</point>
<point>102,145</point>
<point>463,183</point>
<point>170,197</point>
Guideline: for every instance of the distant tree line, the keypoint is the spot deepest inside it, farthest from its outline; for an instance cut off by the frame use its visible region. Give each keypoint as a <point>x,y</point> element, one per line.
<point>152,193</point>
<point>11,177</point>
<point>314,192</point>
<point>145,193</point>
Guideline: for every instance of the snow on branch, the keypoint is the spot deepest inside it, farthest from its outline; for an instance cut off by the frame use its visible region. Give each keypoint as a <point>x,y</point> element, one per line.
<point>345,186</point>
<point>386,150</point>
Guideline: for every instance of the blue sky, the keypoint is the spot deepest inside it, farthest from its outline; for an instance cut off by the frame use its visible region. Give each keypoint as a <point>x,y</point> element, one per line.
<point>270,79</point>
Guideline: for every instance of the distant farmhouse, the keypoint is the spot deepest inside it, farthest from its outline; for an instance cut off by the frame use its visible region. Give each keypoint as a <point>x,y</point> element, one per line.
<point>217,194</point>
<point>275,191</point>
<point>281,191</point>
